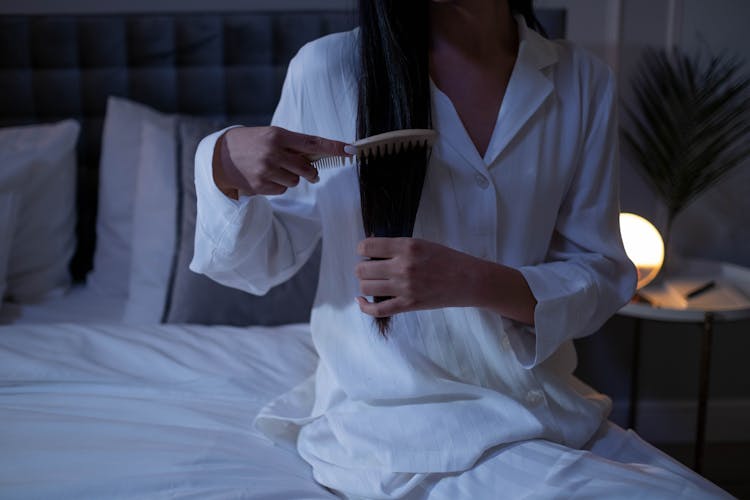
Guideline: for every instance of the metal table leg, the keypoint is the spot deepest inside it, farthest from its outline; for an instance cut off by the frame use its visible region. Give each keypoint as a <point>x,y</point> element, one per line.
<point>634,374</point>
<point>705,371</point>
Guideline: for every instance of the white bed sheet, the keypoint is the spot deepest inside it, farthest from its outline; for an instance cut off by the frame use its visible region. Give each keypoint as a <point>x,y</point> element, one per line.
<point>80,304</point>
<point>166,411</point>
<point>148,412</point>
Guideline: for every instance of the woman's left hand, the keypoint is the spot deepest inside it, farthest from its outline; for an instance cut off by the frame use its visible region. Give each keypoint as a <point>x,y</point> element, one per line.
<point>417,274</point>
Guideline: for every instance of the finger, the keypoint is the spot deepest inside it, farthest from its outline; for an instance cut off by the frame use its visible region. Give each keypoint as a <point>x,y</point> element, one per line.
<point>373,270</point>
<point>283,177</point>
<point>298,165</point>
<point>382,248</point>
<point>388,307</point>
<point>311,144</point>
<point>378,288</point>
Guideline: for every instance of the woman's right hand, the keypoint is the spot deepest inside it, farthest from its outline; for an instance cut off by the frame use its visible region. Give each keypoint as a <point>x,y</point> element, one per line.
<point>267,160</point>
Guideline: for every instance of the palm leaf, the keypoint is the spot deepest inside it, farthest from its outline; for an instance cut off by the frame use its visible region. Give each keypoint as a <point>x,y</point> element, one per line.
<point>689,124</point>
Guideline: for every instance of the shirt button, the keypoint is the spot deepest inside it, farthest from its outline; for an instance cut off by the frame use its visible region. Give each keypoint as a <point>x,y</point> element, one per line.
<point>482,181</point>
<point>534,397</point>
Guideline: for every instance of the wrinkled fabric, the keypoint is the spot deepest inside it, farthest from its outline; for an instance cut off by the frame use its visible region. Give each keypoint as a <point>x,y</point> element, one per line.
<point>380,416</point>
<point>153,411</point>
<point>163,411</point>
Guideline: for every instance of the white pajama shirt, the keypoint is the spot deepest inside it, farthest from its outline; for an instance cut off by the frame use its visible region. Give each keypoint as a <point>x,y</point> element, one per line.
<point>383,418</point>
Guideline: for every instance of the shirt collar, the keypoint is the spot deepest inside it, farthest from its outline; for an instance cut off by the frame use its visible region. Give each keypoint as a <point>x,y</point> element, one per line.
<point>533,48</point>
<point>528,88</point>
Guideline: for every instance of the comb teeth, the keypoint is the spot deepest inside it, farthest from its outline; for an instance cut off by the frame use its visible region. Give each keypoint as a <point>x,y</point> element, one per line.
<point>331,161</point>
<point>376,150</point>
<point>380,145</point>
<point>394,142</point>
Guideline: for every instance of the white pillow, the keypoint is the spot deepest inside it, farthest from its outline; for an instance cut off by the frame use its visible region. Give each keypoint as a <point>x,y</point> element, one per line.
<point>154,222</point>
<point>118,169</point>
<point>8,214</point>
<point>38,165</point>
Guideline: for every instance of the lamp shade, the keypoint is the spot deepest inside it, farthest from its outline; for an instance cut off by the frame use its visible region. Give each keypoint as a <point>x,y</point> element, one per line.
<point>644,246</point>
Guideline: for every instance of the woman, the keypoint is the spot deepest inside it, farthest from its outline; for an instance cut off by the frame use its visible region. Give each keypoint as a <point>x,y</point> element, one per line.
<point>515,251</point>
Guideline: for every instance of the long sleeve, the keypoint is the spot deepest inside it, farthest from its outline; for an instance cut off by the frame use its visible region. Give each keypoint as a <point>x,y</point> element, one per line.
<point>257,242</point>
<point>586,276</point>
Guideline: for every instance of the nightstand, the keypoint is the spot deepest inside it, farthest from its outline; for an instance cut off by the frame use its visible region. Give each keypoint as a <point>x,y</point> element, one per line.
<point>691,291</point>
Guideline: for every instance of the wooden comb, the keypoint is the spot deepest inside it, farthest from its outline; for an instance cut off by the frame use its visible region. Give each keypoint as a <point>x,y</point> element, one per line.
<point>376,145</point>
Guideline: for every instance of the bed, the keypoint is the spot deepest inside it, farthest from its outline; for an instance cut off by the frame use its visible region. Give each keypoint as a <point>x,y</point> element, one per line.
<point>159,411</point>
<point>113,106</point>
<point>99,398</point>
<point>122,374</point>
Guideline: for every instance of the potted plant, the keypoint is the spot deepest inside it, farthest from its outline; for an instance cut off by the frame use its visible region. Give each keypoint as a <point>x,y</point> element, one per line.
<point>689,125</point>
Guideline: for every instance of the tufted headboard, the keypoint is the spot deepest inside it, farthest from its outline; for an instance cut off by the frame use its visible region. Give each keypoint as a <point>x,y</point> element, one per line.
<point>229,65</point>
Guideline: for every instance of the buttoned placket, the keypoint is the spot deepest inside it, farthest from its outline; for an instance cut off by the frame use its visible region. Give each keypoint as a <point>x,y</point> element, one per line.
<point>528,88</point>
<point>474,178</point>
<point>486,214</point>
<point>471,174</point>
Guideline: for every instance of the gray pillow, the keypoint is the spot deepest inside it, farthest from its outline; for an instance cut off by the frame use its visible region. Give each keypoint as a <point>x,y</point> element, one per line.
<point>194,298</point>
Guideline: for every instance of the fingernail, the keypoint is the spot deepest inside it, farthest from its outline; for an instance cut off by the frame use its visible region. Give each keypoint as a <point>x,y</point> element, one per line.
<point>315,179</point>
<point>350,150</point>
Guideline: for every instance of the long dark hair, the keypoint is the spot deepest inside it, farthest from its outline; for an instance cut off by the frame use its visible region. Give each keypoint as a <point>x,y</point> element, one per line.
<point>394,94</point>
<point>526,9</point>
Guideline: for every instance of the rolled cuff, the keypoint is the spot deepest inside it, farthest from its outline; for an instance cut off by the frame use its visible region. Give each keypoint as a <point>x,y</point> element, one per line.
<point>564,311</point>
<point>216,211</point>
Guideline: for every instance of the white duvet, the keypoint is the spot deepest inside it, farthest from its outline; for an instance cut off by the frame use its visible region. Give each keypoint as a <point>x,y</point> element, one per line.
<point>149,412</point>
<point>166,411</point>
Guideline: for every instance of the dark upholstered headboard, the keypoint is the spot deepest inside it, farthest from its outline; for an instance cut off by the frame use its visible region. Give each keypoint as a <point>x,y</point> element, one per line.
<point>229,65</point>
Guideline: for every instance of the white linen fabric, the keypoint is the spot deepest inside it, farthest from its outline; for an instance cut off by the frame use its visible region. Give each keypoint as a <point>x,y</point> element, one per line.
<point>165,411</point>
<point>154,222</point>
<point>118,177</point>
<point>380,417</point>
<point>617,464</point>
<point>161,411</point>
<point>38,165</point>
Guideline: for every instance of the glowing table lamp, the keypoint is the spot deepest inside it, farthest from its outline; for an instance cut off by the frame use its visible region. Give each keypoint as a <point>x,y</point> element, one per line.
<point>644,246</point>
